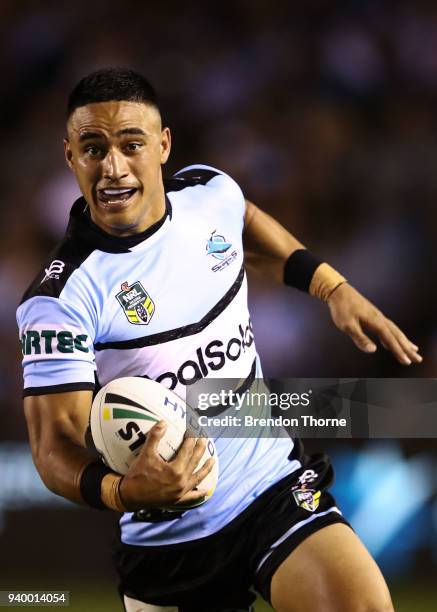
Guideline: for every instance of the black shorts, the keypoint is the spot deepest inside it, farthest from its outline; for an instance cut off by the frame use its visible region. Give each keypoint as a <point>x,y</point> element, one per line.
<point>221,571</point>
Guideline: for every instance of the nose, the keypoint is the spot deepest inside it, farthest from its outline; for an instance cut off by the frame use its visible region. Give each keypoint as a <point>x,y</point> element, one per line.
<point>114,165</point>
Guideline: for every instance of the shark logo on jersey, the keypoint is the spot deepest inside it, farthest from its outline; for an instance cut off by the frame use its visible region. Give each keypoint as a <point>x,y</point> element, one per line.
<point>137,304</point>
<point>218,248</point>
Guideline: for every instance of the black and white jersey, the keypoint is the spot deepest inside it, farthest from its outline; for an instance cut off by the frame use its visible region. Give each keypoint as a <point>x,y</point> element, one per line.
<point>169,304</point>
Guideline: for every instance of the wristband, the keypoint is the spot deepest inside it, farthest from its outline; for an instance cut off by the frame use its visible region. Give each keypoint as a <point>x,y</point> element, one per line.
<point>299,269</point>
<point>91,484</point>
<point>110,492</point>
<point>325,281</point>
<point>306,272</point>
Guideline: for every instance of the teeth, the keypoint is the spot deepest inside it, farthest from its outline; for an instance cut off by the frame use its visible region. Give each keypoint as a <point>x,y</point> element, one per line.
<point>115,191</point>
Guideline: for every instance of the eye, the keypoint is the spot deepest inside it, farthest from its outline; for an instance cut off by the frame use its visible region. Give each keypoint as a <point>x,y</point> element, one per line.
<point>92,150</point>
<point>131,147</point>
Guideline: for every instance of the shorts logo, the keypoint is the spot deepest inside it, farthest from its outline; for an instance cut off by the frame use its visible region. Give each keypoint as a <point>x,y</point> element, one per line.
<point>218,248</point>
<point>307,477</point>
<point>308,499</point>
<point>137,304</point>
<point>54,270</point>
<point>305,498</point>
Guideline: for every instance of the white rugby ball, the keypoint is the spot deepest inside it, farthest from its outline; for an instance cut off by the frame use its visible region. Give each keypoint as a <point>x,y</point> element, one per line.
<point>125,409</point>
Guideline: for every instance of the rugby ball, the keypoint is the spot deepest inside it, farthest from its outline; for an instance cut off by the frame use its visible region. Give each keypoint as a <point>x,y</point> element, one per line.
<point>125,409</point>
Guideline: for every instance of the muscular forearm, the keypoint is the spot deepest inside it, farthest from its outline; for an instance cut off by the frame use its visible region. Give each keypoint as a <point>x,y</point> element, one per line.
<point>62,467</point>
<point>57,425</point>
<point>271,250</point>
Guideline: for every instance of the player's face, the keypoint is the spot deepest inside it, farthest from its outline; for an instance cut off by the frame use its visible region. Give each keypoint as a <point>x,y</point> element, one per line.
<point>116,150</point>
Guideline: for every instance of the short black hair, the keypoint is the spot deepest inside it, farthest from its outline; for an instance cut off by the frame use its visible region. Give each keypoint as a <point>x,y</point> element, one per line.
<point>113,83</point>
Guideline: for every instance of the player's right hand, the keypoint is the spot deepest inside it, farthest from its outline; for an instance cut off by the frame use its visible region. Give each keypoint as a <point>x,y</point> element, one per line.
<point>153,482</point>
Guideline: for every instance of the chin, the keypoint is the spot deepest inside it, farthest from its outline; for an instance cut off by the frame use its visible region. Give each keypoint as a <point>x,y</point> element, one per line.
<point>121,224</point>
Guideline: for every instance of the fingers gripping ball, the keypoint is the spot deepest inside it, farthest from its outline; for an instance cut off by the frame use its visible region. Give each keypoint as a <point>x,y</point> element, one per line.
<point>123,412</point>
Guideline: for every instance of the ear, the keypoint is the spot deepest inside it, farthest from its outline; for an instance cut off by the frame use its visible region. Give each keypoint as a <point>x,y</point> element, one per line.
<point>68,153</point>
<point>165,144</point>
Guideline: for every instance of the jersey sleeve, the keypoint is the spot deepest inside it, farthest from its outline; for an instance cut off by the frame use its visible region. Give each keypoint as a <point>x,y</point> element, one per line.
<point>57,345</point>
<point>229,190</point>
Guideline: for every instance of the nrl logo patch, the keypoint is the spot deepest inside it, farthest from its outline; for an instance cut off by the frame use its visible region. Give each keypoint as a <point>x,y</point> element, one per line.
<point>137,304</point>
<point>308,499</point>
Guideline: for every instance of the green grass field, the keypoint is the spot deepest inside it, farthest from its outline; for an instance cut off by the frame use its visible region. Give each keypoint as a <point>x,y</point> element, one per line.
<point>406,598</point>
<point>99,598</point>
<point>102,596</point>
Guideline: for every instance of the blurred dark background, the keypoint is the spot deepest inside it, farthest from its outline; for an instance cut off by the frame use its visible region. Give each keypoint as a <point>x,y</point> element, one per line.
<point>326,115</point>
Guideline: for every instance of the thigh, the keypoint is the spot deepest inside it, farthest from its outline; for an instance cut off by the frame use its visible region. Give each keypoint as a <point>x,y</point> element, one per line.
<point>330,571</point>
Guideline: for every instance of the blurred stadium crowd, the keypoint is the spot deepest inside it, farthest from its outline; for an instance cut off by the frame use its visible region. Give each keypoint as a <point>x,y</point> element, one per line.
<point>326,115</point>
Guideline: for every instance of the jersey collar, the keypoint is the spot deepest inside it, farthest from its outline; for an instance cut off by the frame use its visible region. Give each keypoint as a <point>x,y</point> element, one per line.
<point>81,227</point>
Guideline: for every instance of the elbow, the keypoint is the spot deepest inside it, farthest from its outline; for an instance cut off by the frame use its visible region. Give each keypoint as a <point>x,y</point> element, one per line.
<point>41,460</point>
<point>41,443</point>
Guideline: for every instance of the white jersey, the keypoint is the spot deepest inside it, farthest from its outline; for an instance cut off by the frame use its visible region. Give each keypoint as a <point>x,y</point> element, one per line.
<point>169,304</point>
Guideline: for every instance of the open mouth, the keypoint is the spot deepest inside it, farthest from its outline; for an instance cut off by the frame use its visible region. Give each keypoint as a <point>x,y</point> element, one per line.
<point>116,197</point>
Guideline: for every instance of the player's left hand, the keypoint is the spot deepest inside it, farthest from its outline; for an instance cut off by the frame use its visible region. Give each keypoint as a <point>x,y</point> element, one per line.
<point>354,315</point>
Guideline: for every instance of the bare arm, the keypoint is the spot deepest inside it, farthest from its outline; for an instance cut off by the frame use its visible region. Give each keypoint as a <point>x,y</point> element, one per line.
<point>57,424</point>
<point>268,245</point>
